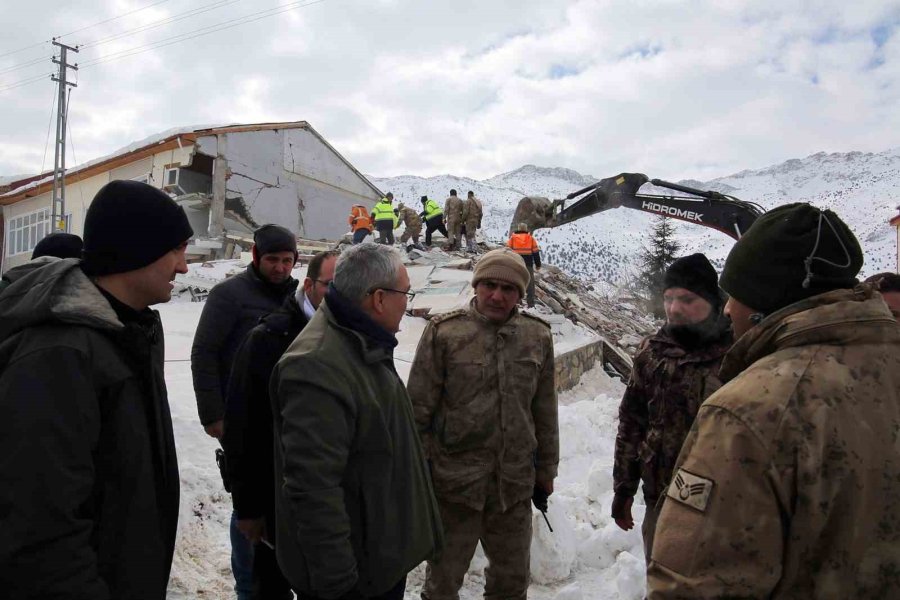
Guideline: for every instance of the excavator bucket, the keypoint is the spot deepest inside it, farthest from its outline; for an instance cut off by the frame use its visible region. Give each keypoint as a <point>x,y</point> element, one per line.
<point>535,211</point>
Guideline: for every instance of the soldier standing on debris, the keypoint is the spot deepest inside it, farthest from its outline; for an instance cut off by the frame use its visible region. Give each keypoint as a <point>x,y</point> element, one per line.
<point>674,371</point>
<point>232,309</point>
<point>413,227</point>
<point>526,246</point>
<point>360,223</point>
<point>472,214</point>
<point>483,390</point>
<point>788,484</point>
<point>453,211</point>
<point>434,219</point>
<point>248,435</point>
<point>385,219</point>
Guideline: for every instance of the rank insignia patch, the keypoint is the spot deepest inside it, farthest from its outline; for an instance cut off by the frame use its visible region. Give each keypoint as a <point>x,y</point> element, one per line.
<point>691,490</point>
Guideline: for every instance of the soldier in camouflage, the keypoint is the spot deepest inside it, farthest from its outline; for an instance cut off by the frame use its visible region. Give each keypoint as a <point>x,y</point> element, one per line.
<point>453,215</point>
<point>412,227</point>
<point>675,370</point>
<point>483,393</point>
<point>789,482</point>
<point>473,211</point>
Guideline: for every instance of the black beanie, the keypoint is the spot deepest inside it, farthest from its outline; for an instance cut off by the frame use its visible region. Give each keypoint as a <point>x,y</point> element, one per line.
<point>274,238</point>
<point>60,245</point>
<point>130,225</point>
<point>424,199</point>
<point>695,274</point>
<point>791,253</point>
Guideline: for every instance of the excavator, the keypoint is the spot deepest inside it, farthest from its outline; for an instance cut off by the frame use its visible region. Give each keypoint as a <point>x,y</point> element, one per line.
<point>712,209</point>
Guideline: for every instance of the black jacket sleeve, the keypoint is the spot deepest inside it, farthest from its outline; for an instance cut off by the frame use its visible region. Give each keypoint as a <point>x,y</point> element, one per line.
<point>218,318</point>
<point>49,428</point>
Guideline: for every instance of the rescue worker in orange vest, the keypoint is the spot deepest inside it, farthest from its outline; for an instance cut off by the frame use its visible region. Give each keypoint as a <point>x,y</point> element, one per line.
<point>527,247</point>
<point>360,223</point>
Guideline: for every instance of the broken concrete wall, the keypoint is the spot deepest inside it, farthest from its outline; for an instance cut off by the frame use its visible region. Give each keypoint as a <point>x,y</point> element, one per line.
<point>290,177</point>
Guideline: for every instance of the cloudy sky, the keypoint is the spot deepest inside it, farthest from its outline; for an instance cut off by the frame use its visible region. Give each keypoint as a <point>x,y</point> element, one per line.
<point>689,89</point>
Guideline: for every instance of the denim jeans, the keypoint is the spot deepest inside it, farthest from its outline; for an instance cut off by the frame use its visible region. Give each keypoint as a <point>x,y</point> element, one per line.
<point>241,562</point>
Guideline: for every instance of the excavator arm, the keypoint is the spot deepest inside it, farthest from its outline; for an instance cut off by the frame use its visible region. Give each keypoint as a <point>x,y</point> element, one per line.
<point>708,208</point>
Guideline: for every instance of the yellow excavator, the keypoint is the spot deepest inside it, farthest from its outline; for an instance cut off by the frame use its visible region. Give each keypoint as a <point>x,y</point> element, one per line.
<point>708,208</point>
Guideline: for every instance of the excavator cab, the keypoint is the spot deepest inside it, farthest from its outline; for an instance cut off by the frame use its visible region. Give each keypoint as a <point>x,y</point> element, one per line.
<point>708,208</point>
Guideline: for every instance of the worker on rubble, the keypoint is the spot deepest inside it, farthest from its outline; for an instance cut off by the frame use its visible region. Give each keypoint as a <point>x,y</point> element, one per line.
<point>674,371</point>
<point>788,484</point>
<point>434,219</point>
<point>412,227</point>
<point>360,223</point>
<point>524,244</point>
<point>483,391</point>
<point>385,219</point>
<point>888,285</point>
<point>232,309</point>
<point>472,214</point>
<point>453,216</point>
<point>248,434</point>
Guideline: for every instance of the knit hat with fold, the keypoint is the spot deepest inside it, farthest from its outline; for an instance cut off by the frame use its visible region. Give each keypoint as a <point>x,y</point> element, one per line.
<point>502,264</point>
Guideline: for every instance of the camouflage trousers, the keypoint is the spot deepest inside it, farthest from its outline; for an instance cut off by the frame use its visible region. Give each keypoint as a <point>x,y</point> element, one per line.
<point>506,539</point>
<point>648,529</point>
<point>454,231</point>
<point>411,233</point>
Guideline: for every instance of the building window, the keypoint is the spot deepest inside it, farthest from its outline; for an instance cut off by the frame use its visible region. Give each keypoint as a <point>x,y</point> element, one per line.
<point>27,230</point>
<point>170,178</point>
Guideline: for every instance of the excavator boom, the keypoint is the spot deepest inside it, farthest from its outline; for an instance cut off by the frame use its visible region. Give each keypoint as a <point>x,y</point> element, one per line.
<point>708,208</point>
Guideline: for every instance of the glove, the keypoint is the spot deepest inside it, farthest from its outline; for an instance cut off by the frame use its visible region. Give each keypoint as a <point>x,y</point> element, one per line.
<point>539,498</point>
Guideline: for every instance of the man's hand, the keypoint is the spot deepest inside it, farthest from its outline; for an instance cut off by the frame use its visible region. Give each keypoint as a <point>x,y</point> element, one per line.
<point>545,484</point>
<point>621,512</point>
<point>253,529</point>
<point>216,429</point>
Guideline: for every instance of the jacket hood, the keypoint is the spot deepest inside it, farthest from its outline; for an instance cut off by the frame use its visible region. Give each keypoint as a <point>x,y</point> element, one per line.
<point>56,291</point>
<point>840,317</point>
<point>17,273</point>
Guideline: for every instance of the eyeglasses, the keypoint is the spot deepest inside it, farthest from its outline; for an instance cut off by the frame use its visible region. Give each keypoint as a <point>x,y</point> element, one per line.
<point>322,281</point>
<point>409,295</point>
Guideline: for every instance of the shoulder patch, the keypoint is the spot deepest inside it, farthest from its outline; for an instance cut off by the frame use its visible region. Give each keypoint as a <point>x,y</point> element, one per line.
<point>691,490</point>
<point>536,318</point>
<point>440,318</point>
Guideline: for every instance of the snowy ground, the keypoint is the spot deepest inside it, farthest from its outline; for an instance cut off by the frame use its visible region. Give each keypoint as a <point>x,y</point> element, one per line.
<point>586,556</point>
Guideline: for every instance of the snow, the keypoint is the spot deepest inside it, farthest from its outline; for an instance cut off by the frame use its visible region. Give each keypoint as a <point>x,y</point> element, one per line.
<point>586,556</point>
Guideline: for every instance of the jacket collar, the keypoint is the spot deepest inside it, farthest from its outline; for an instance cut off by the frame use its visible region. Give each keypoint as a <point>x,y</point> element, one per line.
<point>375,342</point>
<point>511,322</point>
<point>839,317</point>
<point>276,289</point>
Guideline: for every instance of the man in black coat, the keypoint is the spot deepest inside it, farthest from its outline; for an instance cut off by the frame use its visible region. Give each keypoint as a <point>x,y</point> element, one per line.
<point>89,484</point>
<point>248,434</point>
<point>233,308</point>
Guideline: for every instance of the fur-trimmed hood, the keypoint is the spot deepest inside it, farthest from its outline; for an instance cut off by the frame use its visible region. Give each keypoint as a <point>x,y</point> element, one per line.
<point>57,291</point>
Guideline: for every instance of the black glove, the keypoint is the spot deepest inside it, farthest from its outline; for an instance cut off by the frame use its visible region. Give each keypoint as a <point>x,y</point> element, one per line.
<point>539,498</point>
<point>222,462</point>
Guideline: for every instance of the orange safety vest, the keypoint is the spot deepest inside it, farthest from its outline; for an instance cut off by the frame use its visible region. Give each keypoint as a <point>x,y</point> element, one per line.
<point>523,244</point>
<point>359,218</point>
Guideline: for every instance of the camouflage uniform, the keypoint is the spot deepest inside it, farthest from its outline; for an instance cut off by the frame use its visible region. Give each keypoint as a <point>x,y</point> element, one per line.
<point>668,385</point>
<point>453,217</point>
<point>472,214</point>
<point>413,224</point>
<point>788,484</point>
<point>484,398</point>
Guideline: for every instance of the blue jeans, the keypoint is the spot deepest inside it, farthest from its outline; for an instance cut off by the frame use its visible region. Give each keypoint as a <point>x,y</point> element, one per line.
<point>241,562</point>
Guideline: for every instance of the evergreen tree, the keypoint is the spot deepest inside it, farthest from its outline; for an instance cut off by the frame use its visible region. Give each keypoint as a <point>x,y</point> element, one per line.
<point>655,259</point>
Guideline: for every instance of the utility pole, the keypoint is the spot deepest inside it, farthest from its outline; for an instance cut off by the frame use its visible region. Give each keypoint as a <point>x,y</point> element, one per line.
<point>58,221</point>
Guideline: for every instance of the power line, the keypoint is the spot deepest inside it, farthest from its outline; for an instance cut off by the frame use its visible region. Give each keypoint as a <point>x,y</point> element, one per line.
<point>229,24</point>
<point>49,124</point>
<point>137,10</point>
<point>24,82</point>
<point>24,64</point>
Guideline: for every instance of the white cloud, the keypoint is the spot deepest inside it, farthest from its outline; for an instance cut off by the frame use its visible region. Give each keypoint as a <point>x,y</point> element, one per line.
<point>475,88</point>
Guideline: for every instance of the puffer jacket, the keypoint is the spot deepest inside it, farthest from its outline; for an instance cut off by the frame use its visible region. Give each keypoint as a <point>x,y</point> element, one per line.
<point>89,484</point>
<point>788,485</point>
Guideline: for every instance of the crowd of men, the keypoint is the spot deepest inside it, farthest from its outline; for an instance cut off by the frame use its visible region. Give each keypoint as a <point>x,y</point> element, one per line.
<point>458,219</point>
<point>762,418</point>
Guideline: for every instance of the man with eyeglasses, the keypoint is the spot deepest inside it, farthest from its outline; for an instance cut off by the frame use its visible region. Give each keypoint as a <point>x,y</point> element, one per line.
<point>248,433</point>
<point>355,511</point>
<point>484,396</point>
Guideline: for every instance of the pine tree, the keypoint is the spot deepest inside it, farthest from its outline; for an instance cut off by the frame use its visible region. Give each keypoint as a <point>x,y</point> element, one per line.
<point>655,259</point>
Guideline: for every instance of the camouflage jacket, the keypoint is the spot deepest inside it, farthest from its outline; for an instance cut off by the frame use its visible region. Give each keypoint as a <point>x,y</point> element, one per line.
<point>788,484</point>
<point>484,397</point>
<point>472,214</point>
<point>453,210</point>
<point>410,218</point>
<point>668,385</point>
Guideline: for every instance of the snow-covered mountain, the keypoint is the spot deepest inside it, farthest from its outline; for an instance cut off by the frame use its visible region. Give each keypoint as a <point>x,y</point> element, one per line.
<point>863,188</point>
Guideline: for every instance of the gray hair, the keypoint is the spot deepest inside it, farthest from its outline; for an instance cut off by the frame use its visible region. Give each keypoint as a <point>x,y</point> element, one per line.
<point>365,267</point>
